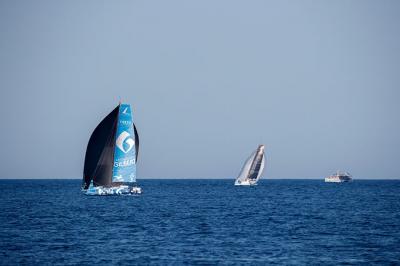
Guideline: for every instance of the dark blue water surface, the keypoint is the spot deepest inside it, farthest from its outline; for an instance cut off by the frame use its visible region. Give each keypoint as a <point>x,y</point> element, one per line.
<point>201,222</point>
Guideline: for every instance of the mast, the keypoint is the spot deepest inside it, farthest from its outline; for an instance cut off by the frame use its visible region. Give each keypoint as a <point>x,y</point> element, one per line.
<point>115,136</point>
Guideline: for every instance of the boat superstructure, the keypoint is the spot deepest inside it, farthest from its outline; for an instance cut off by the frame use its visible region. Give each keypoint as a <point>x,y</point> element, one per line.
<point>252,169</point>
<point>339,177</point>
<point>111,155</point>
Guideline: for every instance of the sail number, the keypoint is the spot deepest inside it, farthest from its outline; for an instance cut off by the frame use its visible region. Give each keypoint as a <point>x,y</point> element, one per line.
<point>124,163</point>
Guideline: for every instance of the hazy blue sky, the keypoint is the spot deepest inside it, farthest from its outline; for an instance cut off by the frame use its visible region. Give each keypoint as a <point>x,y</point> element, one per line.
<point>316,81</point>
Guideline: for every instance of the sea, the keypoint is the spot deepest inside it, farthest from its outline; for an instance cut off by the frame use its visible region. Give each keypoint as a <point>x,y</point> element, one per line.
<point>201,222</point>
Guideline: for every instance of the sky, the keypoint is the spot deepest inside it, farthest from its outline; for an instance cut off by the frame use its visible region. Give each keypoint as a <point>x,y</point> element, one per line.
<point>317,82</point>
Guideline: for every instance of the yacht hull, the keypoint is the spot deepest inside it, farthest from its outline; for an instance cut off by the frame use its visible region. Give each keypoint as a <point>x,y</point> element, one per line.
<point>113,191</point>
<point>245,183</point>
<point>336,180</point>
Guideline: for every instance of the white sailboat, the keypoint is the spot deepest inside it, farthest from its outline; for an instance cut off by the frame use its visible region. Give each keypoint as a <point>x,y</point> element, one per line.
<point>252,169</point>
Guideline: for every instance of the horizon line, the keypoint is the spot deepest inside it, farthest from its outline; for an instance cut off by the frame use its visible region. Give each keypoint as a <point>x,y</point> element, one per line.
<point>197,178</point>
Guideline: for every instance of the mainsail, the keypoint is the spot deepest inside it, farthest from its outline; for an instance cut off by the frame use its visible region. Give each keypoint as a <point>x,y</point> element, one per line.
<point>253,168</point>
<point>125,151</point>
<point>112,150</point>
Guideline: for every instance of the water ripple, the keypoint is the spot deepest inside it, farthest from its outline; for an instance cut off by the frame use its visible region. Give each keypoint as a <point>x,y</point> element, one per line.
<point>49,222</point>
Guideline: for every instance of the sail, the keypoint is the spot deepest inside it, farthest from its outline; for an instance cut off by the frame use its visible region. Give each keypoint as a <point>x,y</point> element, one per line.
<point>262,167</point>
<point>254,173</point>
<point>100,151</point>
<point>125,150</point>
<point>136,141</point>
<point>244,172</point>
<point>253,168</point>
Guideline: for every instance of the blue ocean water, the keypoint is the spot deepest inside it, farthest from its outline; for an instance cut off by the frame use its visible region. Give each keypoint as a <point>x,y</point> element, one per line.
<point>49,222</point>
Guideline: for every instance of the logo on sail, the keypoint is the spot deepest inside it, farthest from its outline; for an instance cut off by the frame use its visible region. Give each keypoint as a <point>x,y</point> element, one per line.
<point>124,142</point>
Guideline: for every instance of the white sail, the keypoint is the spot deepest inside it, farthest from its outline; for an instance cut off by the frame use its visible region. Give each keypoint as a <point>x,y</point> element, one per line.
<point>261,167</point>
<point>244,173</point>
<point>253,168</point>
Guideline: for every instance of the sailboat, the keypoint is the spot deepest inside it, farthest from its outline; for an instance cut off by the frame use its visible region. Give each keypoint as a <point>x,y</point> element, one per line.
<point>252,169</point>
<point>111,155</point>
